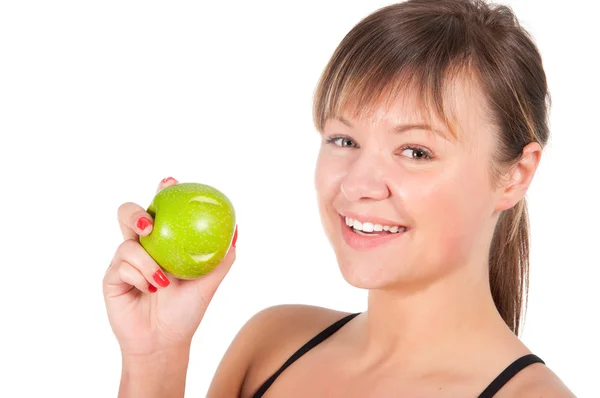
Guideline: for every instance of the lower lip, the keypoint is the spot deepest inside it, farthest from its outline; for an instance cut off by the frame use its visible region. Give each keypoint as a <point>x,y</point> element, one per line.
<point>365,243</point>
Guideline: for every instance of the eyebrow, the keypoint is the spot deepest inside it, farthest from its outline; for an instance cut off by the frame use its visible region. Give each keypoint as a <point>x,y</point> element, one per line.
<point>401,128</point>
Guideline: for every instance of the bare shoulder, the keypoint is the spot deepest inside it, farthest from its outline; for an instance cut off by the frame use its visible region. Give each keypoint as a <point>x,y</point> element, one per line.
<point>288,320</point>
<point>539,381</point>
<point>279,331</point>
<point>263,344</point>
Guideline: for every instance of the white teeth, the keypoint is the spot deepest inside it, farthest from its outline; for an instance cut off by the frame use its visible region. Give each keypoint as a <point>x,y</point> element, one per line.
<point>367,227</point>
<point>370,227</point>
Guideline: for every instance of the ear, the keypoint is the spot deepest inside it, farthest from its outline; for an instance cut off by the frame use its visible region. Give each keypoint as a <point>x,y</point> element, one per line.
<point>519,176</point>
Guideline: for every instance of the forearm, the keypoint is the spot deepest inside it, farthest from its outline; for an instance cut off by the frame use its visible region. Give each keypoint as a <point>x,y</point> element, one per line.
<point>160,375</point>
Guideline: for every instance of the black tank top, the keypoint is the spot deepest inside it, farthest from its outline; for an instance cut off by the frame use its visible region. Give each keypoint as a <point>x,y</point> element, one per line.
<point>489,392</point>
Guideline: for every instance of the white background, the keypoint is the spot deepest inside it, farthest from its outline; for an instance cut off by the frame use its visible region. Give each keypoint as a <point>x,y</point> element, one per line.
<point>100,100</point>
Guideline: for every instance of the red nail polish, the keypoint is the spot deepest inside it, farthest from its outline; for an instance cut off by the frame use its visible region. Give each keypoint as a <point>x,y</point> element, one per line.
<point>152,288</point>
<point>161,278</point>
<point>234,236</point>
<point>143,223</point>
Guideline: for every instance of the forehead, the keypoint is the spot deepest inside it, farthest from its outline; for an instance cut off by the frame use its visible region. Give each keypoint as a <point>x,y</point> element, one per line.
<point>463,103</point>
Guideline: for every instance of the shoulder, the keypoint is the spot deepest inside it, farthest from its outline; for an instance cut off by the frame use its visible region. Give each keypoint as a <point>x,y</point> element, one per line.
<point>279,331</point>
<point>289,320</point>
<point>539,381</point>
<point>263,344</point>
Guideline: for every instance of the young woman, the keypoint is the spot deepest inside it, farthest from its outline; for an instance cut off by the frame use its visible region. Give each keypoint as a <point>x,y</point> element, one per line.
<point>433,116</point>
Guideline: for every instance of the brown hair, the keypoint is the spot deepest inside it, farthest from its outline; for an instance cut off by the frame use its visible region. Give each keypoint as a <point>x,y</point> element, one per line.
<point>423,43</point>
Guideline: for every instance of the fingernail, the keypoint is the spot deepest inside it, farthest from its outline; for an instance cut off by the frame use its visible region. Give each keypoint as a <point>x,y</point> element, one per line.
<point>168,178</point>
<point>152,288</point>
<point>161,278</point>
<point>234,236</point>
<point>143,223</point>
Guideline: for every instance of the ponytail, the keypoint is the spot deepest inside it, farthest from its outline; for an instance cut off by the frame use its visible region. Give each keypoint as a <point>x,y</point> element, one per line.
<point>509,264</point>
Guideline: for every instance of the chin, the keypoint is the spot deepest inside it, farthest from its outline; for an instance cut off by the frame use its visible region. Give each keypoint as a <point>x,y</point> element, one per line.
<point>370,276</point>
<point>389,272</point>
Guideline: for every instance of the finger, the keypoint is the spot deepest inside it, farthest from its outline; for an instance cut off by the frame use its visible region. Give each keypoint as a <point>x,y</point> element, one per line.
<point>166,182</point>
<point>134,221</point>
<point>133,253</point>
<point>123,276</point>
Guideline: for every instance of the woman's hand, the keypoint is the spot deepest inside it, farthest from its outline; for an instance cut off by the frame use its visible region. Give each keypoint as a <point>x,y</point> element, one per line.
<point>153,316</point>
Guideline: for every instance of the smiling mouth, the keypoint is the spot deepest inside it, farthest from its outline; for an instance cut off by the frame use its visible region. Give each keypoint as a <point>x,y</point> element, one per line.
<point>362,241</point>
<point>371,229</point>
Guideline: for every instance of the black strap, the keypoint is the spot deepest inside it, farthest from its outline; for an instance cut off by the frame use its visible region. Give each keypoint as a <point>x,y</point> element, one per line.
<point>331,329</point>
<point>495,386</point>
<point>508,373</point>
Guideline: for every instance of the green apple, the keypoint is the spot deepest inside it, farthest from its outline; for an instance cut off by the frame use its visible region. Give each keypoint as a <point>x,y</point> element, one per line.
<point>193,228</point>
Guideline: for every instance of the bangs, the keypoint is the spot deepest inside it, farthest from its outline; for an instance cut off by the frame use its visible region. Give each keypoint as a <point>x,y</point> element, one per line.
<point>376,63</point>
<point>363,98</point>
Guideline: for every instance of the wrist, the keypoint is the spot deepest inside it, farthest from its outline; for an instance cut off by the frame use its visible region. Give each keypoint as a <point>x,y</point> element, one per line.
<point>161,373</point>
<point>156,358</point>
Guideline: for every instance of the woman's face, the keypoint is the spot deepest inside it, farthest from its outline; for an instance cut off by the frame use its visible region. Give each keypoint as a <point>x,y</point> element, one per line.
<point>438,188</point>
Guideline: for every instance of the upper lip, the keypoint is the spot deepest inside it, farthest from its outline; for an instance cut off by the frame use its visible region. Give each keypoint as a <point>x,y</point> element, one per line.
<point>366,218</point>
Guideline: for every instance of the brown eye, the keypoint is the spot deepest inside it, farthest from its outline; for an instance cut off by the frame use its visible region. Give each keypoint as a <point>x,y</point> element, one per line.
<point>342,142</point>
<point>417,153</point>
<point>347,142</point>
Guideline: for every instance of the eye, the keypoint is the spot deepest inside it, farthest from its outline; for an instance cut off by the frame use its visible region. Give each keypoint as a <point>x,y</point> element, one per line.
<point>418,153</point>
<point>342,142</point>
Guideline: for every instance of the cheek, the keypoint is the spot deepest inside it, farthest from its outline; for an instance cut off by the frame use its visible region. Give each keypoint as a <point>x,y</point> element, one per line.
<point>450,213</point>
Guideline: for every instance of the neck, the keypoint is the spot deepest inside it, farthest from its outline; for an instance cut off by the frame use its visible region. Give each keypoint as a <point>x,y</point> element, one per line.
<point>435,325</point>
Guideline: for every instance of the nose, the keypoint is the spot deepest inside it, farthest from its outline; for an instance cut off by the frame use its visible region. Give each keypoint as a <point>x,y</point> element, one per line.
<point>365,180</point>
